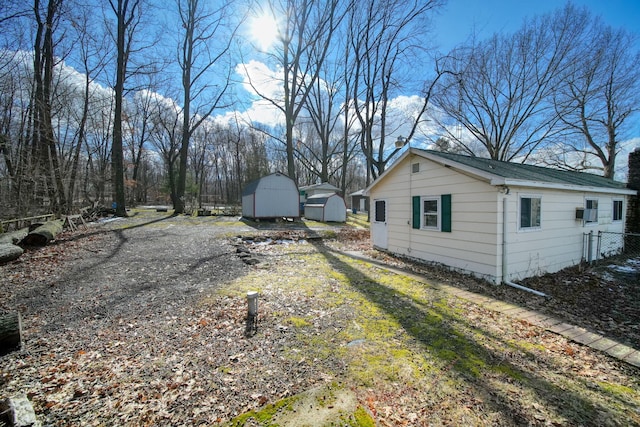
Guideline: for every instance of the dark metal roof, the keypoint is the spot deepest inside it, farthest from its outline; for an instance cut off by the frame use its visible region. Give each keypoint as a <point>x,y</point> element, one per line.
<point>524,172</point>
<point>251,187</point>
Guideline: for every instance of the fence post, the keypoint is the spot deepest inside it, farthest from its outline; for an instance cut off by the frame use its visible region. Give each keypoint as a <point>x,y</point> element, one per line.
<point>590,248</point>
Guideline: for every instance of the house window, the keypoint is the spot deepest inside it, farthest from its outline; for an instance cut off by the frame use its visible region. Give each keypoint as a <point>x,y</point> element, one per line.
<point>430,212</point>
<point>591,211</point>
<point>617,210</point>
<point>530,210</point>
<point>381,211</point>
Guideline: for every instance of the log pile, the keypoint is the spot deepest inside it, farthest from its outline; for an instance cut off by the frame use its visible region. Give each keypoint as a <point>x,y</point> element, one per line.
<point>36,235</point>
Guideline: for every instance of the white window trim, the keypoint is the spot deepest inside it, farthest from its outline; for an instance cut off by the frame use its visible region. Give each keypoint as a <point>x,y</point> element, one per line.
<point>613,203</point>
<point>528,196</point>
<point>597,221</point>
<point>422,213</point>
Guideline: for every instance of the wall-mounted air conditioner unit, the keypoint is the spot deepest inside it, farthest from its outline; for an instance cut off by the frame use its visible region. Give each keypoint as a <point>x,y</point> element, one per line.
<point>579,213</point>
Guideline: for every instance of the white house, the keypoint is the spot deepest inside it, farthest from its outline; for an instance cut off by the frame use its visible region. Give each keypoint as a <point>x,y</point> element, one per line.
<point>328,207</point>
<point>497,220</point>
<point>272,196</point>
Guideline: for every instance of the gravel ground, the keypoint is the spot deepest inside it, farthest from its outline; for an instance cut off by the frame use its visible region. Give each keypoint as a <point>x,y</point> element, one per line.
<point>127,323</point>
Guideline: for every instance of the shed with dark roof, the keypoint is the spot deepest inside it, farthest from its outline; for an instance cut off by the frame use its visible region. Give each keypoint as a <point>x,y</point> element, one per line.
<point>498,220</point>
<point>328,207</point>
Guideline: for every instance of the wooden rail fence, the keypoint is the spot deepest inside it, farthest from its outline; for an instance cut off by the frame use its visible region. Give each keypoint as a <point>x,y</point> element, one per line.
<point>17,224</point>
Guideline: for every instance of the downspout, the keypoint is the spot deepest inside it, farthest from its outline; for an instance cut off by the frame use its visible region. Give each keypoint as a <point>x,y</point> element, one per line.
<point>505,268</point>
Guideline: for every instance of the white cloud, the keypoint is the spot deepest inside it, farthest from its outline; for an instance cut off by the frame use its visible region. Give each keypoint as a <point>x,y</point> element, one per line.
<point>263,87</point>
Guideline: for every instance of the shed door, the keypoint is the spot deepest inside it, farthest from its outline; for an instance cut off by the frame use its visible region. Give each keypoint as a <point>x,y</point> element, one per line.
<point>379,224</point>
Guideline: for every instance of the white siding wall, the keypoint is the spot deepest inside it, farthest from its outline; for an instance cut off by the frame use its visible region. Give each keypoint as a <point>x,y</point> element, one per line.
<point>314,212</point>
<point>472,243</point>
<point>247,206</point>
<point>475,243</point>
<point>277,200</point>
<point>275,196</point>
<point>558,243</point>
<point>336,209</point>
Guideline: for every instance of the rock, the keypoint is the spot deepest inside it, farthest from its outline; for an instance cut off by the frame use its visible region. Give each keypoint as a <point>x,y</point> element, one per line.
<point>19,412</point>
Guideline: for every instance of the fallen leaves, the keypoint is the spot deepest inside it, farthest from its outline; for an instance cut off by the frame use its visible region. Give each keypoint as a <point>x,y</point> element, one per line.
<point>119,332</point>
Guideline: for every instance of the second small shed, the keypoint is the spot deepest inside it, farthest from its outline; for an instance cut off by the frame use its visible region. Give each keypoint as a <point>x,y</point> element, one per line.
<point>327,207</point>
<point>272,196</point>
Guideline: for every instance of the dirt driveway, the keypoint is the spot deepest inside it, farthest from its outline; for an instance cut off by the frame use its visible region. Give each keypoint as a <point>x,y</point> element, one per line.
<point>142,321</point>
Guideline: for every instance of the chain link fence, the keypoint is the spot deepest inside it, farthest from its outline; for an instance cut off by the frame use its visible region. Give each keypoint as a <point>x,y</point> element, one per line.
<point>606,244</point>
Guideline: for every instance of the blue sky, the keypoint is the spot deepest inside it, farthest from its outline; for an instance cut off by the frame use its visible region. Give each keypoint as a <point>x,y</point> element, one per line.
<point>460,17</point>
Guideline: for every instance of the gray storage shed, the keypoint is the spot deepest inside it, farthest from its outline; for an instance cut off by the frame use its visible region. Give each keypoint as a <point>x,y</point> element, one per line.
<point>272,196</point>
<point>328,207</point>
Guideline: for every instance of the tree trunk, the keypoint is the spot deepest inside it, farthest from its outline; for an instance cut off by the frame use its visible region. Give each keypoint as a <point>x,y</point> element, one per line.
<point>9,252</point>
<point>10,332</point>
<point>43,234</point>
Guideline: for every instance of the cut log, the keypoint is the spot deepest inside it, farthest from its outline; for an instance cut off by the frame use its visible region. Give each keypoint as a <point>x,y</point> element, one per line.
<point>43,234</point>
<point>9,252</point>
<point>14,237</point>
<point>10,332</point>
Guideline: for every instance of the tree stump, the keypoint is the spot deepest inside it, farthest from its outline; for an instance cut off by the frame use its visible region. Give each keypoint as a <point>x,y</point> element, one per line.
<point>10,332</point>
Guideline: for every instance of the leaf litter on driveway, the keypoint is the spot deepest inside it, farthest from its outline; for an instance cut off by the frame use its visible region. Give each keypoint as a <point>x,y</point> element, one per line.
<point>131,324</point>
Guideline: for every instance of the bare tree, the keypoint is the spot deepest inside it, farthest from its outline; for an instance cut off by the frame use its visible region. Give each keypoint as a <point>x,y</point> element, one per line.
<point>128,14</point>
<point>597,98</point>
<point>304,37</point>
<point>385,36</point>
<point>98,148</point>
<point>165,137</point>
<point>47,162</point>
<point>320,148</point>
<point>92,52</point>
<point>138,120</point>
<point>203,60</point>
<point>500,89</point>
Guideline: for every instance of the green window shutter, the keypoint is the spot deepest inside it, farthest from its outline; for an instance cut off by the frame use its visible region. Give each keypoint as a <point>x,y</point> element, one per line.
<point>445,203</point>
<point>416,211</point>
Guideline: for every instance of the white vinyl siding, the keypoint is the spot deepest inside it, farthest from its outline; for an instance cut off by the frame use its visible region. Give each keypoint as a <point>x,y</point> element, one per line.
<point>475,243</point>
<point>471,244</point>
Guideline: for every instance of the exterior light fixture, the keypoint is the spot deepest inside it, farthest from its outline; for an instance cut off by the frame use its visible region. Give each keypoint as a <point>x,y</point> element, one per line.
<point>401,141</point>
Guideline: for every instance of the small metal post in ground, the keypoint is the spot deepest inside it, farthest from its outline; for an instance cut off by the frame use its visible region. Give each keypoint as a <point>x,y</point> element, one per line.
<point>252,303</point>
<point>252,314</point>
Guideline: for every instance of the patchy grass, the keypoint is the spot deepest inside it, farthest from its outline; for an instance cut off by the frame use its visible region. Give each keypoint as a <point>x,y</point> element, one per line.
<point>414,354</point>
<point>337,341</point>
<point>357,220</point>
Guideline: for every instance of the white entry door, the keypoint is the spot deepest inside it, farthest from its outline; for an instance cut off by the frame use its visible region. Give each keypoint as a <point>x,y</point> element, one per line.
<point>379,224</point>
